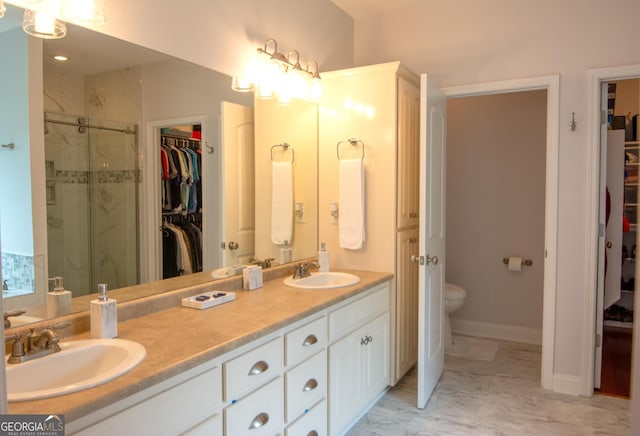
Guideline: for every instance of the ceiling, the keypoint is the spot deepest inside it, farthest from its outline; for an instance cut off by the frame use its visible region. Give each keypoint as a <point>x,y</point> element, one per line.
<point>105,54</point>
<point>362,8</point>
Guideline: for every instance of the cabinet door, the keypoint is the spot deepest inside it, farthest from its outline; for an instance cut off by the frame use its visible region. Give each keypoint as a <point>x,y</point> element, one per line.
<point>375,357</point>
<point>406,332</point>
<point>408,154</point>
<point>344,382</point>
<point>358,372</point>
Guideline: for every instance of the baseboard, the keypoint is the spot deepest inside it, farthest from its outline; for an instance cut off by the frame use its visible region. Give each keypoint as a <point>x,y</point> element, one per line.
<point>496,331</point>
<point>567,384</point>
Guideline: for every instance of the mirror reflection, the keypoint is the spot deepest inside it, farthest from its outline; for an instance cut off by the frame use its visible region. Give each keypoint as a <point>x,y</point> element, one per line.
<point>109,111</point>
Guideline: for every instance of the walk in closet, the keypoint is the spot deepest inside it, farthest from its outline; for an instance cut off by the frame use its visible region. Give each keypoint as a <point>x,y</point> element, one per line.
<point>181,187</point>
<point>621,217</point>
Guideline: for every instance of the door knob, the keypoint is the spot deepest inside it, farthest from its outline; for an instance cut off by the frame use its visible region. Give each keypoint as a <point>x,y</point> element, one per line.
<point>609,244</point>
<point>233,245</point>
<point>417,259</point>
<point>432,260</point>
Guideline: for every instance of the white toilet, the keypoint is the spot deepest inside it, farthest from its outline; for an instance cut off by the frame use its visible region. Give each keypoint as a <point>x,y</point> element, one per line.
<point>453,299</point>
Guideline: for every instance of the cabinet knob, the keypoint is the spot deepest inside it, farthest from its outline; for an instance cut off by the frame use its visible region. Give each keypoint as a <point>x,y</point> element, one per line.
<point>259,368</point>
<point>310,385</point>
<point>310,340</point>
<point>260,420</point>
<point>233,245</point>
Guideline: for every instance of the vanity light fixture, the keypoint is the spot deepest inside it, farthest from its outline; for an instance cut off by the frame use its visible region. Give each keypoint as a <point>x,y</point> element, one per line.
<point>281,76</point>
<point>47,18</point>
<point>43,24</point>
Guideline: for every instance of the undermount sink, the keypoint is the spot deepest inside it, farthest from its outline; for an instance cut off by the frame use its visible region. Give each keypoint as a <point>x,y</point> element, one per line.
<point>323,280</point>
<point>80,365</point>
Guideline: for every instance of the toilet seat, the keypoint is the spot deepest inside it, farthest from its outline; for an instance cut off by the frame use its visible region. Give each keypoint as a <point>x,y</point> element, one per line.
<point>453,292</point>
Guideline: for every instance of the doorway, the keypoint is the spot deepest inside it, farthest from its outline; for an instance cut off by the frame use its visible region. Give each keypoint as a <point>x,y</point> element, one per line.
<point>551,85</point>
<point>495,211</point>
<point>596,78</point>
<point>619,154</point>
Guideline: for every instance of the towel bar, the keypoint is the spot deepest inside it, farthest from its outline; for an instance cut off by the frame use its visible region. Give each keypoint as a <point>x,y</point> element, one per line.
<point>285,147</point>
<point>527,262</point>
<point>353,142</point>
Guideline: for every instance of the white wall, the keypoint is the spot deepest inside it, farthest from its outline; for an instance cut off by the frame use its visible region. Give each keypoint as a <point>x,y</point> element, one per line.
<point>223,34</point>
<point>461,42</point>
<point>495,208</point>
<point>15,188</point>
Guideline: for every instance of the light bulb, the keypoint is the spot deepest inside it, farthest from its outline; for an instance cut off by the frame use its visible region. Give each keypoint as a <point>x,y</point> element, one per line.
<point>43,25</point>
<point>84,11</point>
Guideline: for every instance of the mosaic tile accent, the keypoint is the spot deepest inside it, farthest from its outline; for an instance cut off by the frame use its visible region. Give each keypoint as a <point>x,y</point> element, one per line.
<point>18,271</point>
<point>110,176</point>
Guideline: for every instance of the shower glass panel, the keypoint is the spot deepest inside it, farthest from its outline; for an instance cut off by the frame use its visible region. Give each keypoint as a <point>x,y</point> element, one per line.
<point>92,202</point>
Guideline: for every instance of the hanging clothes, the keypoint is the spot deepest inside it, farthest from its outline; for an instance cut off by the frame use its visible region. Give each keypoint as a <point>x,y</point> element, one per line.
<point>182,247</point>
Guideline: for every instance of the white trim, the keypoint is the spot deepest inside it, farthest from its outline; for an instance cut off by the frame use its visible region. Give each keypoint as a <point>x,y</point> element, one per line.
<point>150,217</point>
<point>503,332</point>
<point>592,180</point>
<point>567,384</point>
<point>552,85</point>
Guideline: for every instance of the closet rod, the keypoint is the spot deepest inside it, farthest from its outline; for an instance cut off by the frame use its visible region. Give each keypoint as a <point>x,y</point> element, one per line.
<point>184,138</point>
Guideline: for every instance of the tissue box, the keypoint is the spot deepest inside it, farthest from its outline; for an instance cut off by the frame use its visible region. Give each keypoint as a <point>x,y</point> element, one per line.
<point>252,277</point>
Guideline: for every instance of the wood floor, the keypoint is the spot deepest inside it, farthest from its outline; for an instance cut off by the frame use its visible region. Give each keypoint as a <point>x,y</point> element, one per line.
<point>615,377</point>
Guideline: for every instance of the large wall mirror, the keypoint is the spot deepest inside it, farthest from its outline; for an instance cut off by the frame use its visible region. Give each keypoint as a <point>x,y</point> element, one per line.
<point>91,147</point>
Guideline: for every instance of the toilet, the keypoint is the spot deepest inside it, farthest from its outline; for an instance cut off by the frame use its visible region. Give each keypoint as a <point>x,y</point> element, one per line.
<point>453,299</point>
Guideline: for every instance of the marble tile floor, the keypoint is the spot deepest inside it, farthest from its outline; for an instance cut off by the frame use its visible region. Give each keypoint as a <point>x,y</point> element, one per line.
<point>501,397</point>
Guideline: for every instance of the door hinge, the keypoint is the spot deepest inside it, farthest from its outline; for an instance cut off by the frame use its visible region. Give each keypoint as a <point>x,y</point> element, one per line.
<point>598,340</point>
<point>601,230</point>
<point>603,117</point>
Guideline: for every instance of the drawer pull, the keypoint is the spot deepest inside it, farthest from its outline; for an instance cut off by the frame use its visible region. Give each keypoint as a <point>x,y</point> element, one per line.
<point>310,385</point>
<point>312,433</point>
<point>260,420</point>
<point>258,368</point>
<point>310,340</point>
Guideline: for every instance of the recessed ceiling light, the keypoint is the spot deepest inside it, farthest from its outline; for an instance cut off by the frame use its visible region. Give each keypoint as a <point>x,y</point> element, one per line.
<point>60,58</point>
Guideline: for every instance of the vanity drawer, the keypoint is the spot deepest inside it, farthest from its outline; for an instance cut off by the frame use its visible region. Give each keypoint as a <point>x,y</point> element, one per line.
<point>260,413</point>
<point>306,384</point>
<point>305,341</point>
<point>314,422</point>
<point>252,369</point>
<point>350,317</point>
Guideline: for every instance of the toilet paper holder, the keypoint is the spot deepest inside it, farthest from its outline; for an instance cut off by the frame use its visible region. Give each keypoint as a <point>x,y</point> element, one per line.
<point>527,262</point>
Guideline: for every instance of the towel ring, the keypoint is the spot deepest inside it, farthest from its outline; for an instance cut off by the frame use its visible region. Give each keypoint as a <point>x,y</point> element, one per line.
<point>285,147</point>
<point>354,142</point>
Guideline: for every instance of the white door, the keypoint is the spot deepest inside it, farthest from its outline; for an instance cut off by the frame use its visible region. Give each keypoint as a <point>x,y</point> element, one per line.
<point>432,238</point>
<point>238,181</point>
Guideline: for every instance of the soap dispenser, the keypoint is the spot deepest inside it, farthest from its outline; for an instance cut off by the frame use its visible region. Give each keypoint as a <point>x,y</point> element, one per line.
<point>104,315</point>
<point>58,300</point>
<point>323,258</point>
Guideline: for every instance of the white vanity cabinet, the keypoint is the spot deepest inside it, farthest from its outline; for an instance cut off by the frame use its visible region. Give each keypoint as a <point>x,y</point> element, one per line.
<point>313,377</point>
<point>188,403</point>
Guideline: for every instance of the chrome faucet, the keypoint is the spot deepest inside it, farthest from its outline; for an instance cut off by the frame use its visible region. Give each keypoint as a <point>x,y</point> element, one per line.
<point>301,270</point>
<point>37,345</point>
<point>7,315</point>
<point>266,263</point>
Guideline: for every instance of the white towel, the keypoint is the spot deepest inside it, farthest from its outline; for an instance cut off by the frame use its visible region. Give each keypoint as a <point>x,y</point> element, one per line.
<point>281,202</point>
<point>352,208</point>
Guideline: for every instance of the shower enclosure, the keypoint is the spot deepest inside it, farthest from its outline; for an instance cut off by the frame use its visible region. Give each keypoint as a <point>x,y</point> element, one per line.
<point>92,201</point>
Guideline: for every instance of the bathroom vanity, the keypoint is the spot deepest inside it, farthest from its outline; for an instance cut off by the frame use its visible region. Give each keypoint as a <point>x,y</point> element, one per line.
<point>276,360</point>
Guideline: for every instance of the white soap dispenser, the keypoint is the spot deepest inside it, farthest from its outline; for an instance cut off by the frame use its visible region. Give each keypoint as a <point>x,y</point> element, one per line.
<point>58,300</point>
<point>323,258</point>
<point>104,315</point>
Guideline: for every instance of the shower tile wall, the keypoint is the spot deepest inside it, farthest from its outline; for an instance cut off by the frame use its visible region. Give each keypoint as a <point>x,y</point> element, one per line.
<point>106,96</point>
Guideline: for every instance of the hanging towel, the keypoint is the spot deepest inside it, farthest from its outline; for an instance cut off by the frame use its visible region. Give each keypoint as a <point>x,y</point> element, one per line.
<point>281,202</point>
<point>351,190</point>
